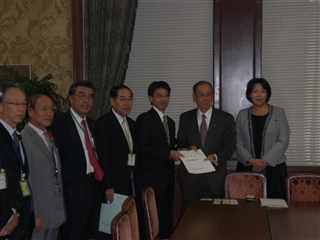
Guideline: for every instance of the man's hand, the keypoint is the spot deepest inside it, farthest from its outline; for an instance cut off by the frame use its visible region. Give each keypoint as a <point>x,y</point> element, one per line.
<point>193,147</point>
<point>210,158</point>
<point>38,225</point>
<point>9,227</point>
<point>175,155</point>
<point>110,194</point>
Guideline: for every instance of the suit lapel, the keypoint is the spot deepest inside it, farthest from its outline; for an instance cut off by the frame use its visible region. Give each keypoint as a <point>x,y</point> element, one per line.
<point>158,124</point>
<point>37,141</point>
<point>72,128</point>
<point>195,128</point>
<point>212,129</point>
<point>7,140</point>
<point>119,129</point>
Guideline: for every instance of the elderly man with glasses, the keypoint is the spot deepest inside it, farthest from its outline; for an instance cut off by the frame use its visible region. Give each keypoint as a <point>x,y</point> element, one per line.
<point>82,175</point>
<point>15,193</point>
<point>213,131</point>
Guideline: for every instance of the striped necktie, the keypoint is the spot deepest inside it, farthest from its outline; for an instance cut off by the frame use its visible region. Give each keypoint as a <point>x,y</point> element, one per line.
<point>166,128</point>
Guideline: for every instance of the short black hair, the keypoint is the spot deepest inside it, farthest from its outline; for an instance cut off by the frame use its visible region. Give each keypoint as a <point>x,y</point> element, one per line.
<point>200,83</point>
<point>264,83</point>
<point>73,87</point>
<point>114,90</point>
<point>8,86</point>
<point>156,85</point>
<point>34,98</point>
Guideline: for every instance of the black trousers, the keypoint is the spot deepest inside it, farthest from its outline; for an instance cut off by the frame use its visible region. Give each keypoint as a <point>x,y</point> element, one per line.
<point>83,212</point>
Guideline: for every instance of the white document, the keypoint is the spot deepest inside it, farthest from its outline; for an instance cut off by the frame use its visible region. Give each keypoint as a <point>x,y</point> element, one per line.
<point>276,203</point>
<point>194,162</point>
<point>109,211</point>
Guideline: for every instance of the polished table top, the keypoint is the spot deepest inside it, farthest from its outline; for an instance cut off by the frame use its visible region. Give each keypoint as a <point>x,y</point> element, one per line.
<point>301,220</point>
<point>248,220</point>
<point>205,220</point>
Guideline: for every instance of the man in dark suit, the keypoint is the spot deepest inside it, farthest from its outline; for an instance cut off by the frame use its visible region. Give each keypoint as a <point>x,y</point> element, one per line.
<point>217,141</point>
<point>8,219</point>
<point>82,175</point>
<point>45,176</point>
<point>116,136</point>
<point>14,162</point>
<point>156,154</point>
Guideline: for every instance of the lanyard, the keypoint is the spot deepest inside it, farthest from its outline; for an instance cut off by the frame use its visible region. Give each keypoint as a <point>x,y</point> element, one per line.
<point>19,157</point>
<point>85,134</point>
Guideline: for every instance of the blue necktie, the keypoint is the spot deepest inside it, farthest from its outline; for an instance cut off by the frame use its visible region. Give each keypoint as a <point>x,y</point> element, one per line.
<point>17,143</point>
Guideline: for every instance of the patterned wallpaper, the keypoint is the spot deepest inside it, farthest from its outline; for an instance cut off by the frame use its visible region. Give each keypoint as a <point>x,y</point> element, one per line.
<point>38,32</point>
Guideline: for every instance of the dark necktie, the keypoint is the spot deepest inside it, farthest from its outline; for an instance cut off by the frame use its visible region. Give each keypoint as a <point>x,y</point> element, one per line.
<point>17,143</point>
<point>98,173</point>
<point>203,130</point>
<point>166,128</point>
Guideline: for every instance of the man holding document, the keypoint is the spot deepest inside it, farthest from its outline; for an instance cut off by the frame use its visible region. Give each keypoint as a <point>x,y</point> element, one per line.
<point>214,132</point>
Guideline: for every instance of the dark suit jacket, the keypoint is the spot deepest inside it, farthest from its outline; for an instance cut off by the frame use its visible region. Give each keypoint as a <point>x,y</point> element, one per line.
<point>114,151</point>
<point>221,140</point>
<point>5,210</point>
<point>13,194</point>
<point>155,167</point>
<point>72,156</point>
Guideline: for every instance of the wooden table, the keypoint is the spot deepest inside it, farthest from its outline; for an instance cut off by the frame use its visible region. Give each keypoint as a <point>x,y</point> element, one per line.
<point>300,221</point>
<point>204,220</point>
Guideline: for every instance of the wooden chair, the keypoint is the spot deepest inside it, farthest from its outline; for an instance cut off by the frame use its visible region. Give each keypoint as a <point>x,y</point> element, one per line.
<point>241,184</point>
<point>150,213</point>
<point>121,226</point>
<point>130,206</point>
<point>303,188</point>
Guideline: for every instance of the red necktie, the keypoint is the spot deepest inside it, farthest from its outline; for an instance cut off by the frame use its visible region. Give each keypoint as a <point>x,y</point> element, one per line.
<point>98,173</point>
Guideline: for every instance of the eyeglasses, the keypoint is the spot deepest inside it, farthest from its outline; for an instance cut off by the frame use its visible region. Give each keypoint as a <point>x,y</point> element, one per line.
<point>83,96</point>
<point>123,99</point>
<point>23,104</point>
<point>203,96</point>
<point>159,96</point>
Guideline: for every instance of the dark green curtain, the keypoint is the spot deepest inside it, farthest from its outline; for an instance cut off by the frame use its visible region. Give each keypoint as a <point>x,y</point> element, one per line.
<point>108,32</point>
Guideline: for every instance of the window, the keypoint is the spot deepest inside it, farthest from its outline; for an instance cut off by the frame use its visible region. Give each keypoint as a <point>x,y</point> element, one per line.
<point>172,42</point>
<point>291,64</point>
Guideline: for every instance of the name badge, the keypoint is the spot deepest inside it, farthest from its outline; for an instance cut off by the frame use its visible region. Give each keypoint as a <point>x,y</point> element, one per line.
<point>3,182</point>
<point>131,159</point>
<point>25,188</point>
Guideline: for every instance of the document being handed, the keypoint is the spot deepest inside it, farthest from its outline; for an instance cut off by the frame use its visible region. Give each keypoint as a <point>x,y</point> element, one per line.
<point>194,162</point>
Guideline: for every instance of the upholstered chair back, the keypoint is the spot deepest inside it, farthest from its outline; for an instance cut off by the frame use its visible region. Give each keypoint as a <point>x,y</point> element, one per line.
<point>303,188</point>
<point>130,206</point>
<point>121,226</point>
<point>241,184</point>
<point>150,213</point>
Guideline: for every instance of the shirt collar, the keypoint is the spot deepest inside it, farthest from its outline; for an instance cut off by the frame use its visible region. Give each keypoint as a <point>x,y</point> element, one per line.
<point>8,127</point>
<point>36,129</point>
<point>161,114</point>
<point>77,117</point>
<point>120,118</point>
<point>207,113</point>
